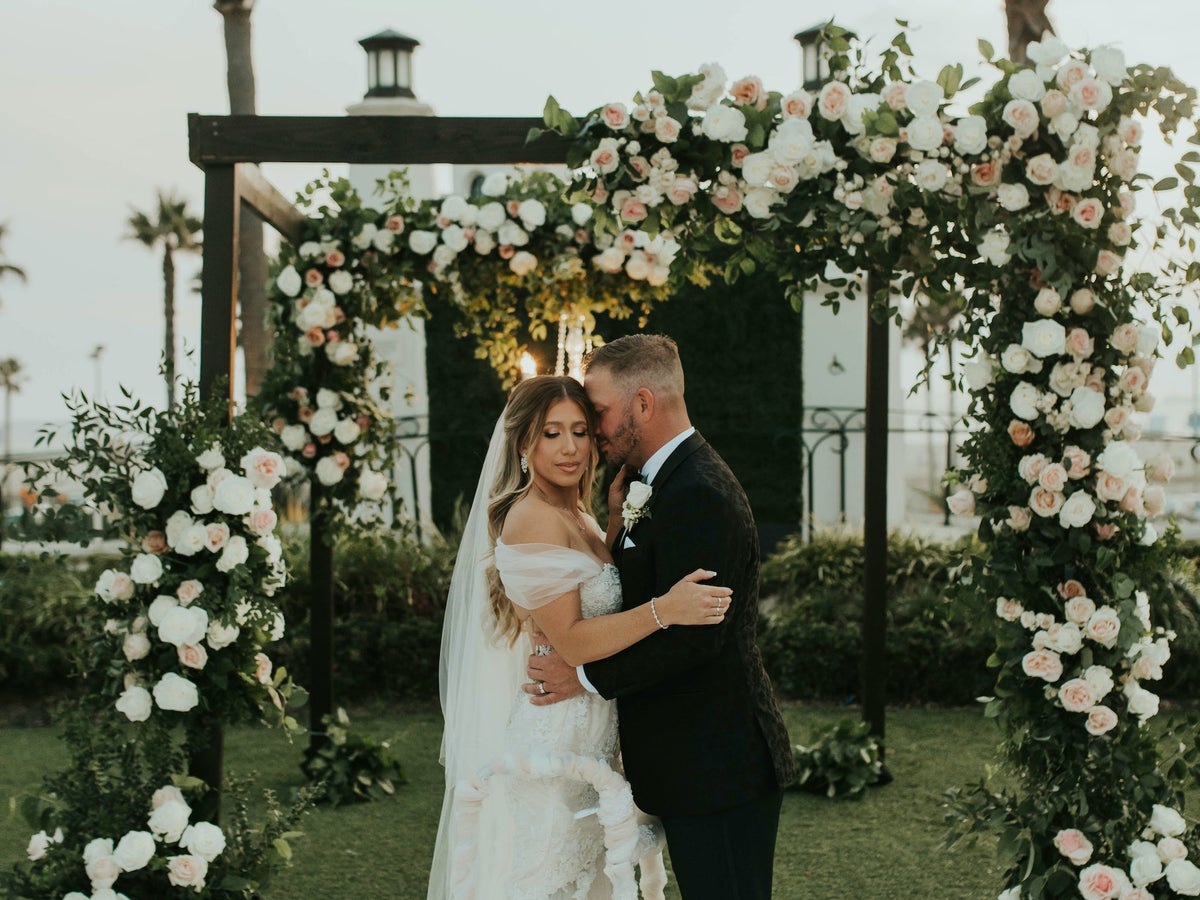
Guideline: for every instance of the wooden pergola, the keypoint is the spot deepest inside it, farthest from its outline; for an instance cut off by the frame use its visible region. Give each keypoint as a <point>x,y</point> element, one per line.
<point>229,149</point>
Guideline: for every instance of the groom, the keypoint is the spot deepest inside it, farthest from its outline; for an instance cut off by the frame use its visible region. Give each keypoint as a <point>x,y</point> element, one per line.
<point>703,743</point>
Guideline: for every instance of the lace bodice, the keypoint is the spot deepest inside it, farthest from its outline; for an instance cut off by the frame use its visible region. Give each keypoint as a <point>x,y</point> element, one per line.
<point>556,855</point>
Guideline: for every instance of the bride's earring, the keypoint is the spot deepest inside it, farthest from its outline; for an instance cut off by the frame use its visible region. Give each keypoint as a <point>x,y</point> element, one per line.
<point>524,464</point>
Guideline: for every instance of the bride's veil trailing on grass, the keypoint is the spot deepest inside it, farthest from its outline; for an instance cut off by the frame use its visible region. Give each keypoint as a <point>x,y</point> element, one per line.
<point>479,676</point>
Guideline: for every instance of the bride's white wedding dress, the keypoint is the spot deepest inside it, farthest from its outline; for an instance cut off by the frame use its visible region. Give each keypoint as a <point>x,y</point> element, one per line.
<point>554,853</point>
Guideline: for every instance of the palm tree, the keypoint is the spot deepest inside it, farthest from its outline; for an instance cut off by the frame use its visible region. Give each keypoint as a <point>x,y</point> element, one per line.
<point>10,381</point>
<point>176,230</point>
<point>7,268</point>
<point>252,263</point>
<point>1027,21</point>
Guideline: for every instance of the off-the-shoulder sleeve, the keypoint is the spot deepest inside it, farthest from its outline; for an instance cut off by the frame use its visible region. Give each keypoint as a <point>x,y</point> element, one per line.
<point>535,574</point>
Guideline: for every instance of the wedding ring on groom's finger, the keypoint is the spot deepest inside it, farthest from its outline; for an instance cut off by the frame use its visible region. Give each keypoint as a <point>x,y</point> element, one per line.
<point>542,687</point>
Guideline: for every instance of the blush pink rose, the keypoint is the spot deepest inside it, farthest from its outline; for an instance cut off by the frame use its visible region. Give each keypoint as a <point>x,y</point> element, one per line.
<point>727,199</point>
<point>1045,503</point>
<point>1079,343</point>
<point>262,668</point>
<point>1101,720</point>
<point>1079,462</point>
<point>395,224</point>
<point>1099,883</point>
<point>1043,664</point>
<point>1134,380</point>
<point>615,116</point>
<point>1071,588</point>
<point>1074,845</point>
<point>1042,170</point>
<point>315,336</point>
<point>738,154</point>
<point>1109,487</point>
<point>194,656</point>
<point>1079,609</point>
<point>313,277</point>
<point>188,591</point>
<point>749,92</point>
<point>263,521</point>
<point>682,190</point>
<point>1020,433</point>
<point>985,174</point>
<point>1076,696</point>
<point>216,536</point>
<point>335,258</point>
<point>1088,213</point>
<point>1053,477</point>
<point>1054,103</point>
<point>633,209</point>
<point>834,100</point>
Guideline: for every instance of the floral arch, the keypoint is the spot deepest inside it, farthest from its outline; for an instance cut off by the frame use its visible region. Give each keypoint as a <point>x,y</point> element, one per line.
<point>1018,213</point>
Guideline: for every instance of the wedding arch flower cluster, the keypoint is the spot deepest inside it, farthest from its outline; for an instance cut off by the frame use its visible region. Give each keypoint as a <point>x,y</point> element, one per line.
<point>104,861</point>
<point>1017,214</point>
<point>509,262</point>
<point>189,615</point>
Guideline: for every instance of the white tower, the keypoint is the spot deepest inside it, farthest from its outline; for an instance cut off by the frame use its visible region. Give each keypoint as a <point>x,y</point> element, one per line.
<point>389,93</point>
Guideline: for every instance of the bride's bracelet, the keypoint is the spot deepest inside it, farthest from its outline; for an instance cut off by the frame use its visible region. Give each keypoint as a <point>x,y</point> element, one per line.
<point>654,612</point>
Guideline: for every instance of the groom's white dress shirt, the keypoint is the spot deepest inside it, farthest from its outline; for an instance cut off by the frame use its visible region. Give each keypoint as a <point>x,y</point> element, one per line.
<point>649,470</point>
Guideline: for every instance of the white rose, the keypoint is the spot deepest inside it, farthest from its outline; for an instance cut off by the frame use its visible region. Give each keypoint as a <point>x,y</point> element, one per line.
<point>970,134</point>
<point>1100,680</point>
<point>201,499</point>
<point>1167,821</point>
<point>294,437</point>
<point>1183,877</point>
<point>581,213</point>
<point>531,213</point>
<point>97,849</point>
<point>323,421</point>
<point>1142,703</point>
<point>221,636</point>
<point>211,459</point>
<point>756,168</point>
<point>1048,301</point>
<point>103,872</point>
<point>1012,197</point>
<point>146,569</point>
<point>188,871</point>
<point>192,541</point>
<point>134,850</point>
<point>1109,63</point>
<point>758,202</point>
<point>341,281</point>
<point>1046,52</point>
<point>341,353</point>
<point>522,263</point>
<point>1022,117</point>
<point>372,485</point>
<point>328,471</point>
<point>1087,407</point>
<point>494,185</point>
<point>1120,458</point>
<point>346,431</point>
<point>1145,868</point>
<point>961,502</point>
<point>183,625</point>
<point>235,553</point>
<point>148,488</point>
<point>169,819</point>
<point>978,373</point>
<point>724,123</point>
<point>38,845</point>
<point>234,495</point>
<point>289,281</point>
<point>1025,85</point>
<point>175,693</point>
<point>135,646</point>
<point>1169,848</point>
<point>1103,626</point>
<point>134,704</point>
<point>923,98</point>
<point>1044,337</point>
<point>994,248</point>
<point>112,586</point>
<point>925,133</point>
<point>422,242</point>
<point>492,216</point>
<point>1023,401</point>
<point>1077,511</point>
<point>931,175</point>
<point>204,840</point>
<point>263,468</point>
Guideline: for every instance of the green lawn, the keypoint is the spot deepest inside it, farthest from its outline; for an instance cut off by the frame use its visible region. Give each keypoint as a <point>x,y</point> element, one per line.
<point>881,847</point>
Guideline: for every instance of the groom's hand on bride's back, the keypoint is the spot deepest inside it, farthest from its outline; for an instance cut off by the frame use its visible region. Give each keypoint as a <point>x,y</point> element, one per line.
<point>550,679</point>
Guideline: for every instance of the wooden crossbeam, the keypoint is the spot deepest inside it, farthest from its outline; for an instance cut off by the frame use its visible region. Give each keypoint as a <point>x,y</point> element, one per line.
<point>403,140</point>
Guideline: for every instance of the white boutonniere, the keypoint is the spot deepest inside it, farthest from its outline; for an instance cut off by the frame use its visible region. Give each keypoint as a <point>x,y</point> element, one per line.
<point>633,510</point>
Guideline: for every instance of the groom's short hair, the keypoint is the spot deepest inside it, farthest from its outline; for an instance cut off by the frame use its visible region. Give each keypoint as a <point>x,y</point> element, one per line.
<point>641,360</point>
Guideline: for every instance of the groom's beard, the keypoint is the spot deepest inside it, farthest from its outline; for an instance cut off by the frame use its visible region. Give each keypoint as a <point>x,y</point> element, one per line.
<point>621,443</point>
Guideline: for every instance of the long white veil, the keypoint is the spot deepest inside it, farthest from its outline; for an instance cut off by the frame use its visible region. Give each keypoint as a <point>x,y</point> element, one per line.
<point>479,678</point>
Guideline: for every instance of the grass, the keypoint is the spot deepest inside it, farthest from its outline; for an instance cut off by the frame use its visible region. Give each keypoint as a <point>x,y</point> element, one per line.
<point>877,848</point>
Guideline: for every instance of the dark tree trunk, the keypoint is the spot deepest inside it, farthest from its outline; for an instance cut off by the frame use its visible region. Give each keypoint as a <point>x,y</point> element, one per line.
<point>1027,21</point>
<point>169,315</point>
<point>252,263</point>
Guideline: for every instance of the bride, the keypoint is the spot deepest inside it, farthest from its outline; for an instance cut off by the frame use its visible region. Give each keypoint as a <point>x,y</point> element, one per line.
<point>533,558</point>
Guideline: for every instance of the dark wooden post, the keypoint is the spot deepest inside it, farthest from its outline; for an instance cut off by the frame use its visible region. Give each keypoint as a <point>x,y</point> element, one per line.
<point>218,317</point>
<point>320,566</point>
<point>874,622</point>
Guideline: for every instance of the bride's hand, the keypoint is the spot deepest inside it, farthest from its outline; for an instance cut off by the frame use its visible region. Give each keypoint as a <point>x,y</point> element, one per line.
<point>691,603</point>
<point>618,489</point>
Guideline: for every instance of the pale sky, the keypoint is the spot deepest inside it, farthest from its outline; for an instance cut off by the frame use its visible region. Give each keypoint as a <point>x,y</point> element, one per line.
<point>95,97</point>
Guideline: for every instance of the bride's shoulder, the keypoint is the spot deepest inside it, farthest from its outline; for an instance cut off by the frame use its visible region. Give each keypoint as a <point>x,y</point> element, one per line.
<point>530,522</point>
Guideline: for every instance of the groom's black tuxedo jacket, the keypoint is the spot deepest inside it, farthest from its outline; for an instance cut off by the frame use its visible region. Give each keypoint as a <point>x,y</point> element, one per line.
<point>700,728</point>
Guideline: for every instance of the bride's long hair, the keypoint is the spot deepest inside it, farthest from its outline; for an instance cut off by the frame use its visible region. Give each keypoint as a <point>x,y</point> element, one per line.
<point>524,417</point>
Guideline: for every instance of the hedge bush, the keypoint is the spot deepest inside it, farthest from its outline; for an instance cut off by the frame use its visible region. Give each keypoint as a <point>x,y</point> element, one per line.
<point>390,591</point>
